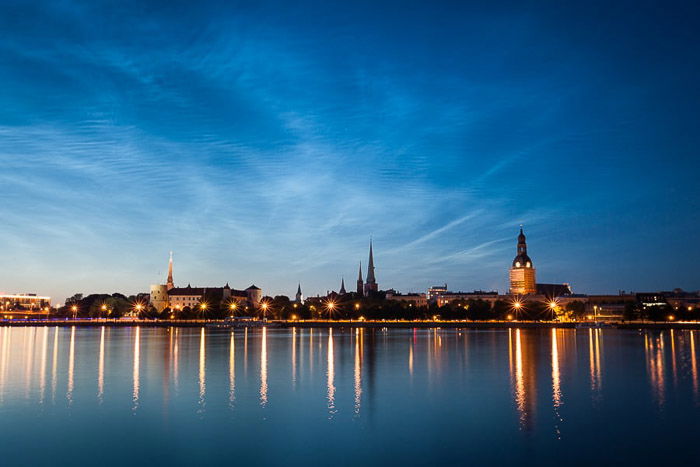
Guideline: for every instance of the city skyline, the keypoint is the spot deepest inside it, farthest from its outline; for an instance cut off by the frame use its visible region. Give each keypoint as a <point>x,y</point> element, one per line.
<point>264,146</point>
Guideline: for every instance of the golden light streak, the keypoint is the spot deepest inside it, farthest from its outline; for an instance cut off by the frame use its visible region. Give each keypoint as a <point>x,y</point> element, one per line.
<point>202,368</point>
<point>294,357</point>
<point>29,351</point>
<point>137,363</point>
<point>176,360</point>
<point>44,357</point>
<point>263,369</point>
<point>3,360</point>
<point>519,379</point>
<point>232,371</point>
<point>556,383</point>
<point>101,367</point>
<point>331,375</point>
<point>359,345</point>
<point>71,366</point>
<point>693,363</point>
<point>54,368</point>
<point>673,358</point>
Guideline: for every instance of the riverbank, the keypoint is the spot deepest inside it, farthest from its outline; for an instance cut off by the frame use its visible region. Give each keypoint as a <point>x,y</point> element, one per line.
<point>350,324</point>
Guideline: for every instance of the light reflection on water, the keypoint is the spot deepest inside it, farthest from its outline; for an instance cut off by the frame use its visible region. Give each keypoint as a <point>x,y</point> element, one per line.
<point>367,385</point>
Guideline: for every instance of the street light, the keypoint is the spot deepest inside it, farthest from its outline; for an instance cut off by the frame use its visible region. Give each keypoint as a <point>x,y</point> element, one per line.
<point>330,307</point>
<point>74,309</point>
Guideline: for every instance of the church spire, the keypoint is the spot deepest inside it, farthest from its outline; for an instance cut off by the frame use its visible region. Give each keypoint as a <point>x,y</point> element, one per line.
<point>170,284</point>
<point>371,284</point>
<point>370,267</point>
<point>342,286</point>
<point>360,282</point>
<point>299,297</point>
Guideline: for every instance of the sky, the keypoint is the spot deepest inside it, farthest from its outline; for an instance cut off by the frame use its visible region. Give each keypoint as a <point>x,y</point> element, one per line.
<point>266,142</point>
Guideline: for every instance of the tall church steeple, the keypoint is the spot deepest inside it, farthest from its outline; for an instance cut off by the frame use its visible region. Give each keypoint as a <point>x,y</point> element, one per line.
<point>371,284</point>
<point>300,296</point>
<point>342,287</point>
<point>170,284</point>
<point>360,282</point>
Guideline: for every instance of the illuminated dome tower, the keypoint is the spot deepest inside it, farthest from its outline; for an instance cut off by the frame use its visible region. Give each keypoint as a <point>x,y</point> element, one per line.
<point>522,273</point>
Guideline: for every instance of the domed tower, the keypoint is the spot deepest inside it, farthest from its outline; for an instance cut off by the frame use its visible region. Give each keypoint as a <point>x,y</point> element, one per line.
<point>522,272</point>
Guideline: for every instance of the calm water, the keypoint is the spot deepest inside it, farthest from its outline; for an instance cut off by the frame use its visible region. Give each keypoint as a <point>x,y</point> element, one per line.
<point>139,396</point>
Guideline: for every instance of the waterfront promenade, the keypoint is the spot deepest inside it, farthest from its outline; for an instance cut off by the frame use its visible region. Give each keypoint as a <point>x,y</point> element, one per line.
<point>396,324</point>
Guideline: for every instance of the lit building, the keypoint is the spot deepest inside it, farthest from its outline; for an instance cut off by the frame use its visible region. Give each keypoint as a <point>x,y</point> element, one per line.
<point>522,272</point>
<point>415,299</point>
<point>435,291</point>
<point>166,295</point>
<point>21,305</point>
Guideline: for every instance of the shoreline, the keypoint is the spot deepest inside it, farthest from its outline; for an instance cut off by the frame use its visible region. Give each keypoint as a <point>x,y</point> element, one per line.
<point>222,324</point>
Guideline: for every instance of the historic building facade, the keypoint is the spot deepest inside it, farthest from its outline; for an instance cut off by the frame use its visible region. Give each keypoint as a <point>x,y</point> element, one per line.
<point>166,295</point>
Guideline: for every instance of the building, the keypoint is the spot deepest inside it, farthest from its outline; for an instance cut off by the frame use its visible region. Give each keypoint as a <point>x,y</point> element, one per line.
<point>447,297</point>
<point>299,297</point>
<point>415,299</point>
<point>166,295</point>
<point>24,305</point>
<point>522,271</point>
<point>360,282</point>
<point>371,284</point>
<point>435,291</point>
<point>554,290</point>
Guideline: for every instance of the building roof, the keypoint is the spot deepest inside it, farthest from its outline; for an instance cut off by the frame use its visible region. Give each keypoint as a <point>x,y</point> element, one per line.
<point>253,287</point>
<point>554,290</point>
<point>187,291</point>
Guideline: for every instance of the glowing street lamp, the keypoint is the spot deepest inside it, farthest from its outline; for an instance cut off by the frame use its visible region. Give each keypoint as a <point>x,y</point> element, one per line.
<point>330,307</point>
<point>74,309</point>
<point>264,306</point>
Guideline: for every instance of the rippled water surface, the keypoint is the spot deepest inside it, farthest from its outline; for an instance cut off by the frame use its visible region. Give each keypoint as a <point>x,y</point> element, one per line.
<point>189,396</point>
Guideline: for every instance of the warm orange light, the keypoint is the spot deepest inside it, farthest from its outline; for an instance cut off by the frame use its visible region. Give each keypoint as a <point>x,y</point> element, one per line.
<point>294,317</point>
<point>233,306</point>
<point>203,306</point>
<point>509,317</point>
<point>357,306</point>
<point>517,305</point>
<point>590,316</point>
<point>553,305</point>
<point>671,317</point>
<point>74,308</point>
<point>104,307</point>
<point>264,306</point>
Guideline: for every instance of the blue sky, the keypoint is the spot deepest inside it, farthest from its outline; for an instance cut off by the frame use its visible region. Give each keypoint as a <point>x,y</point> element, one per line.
<point>265,142</point>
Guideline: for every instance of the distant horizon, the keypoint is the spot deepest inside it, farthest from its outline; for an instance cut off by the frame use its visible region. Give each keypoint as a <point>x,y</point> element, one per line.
<point>266,143</point>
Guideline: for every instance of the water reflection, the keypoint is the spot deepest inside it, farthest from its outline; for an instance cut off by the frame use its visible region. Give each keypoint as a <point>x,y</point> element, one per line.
<point>359,365</point>
<point>359,346</point>
<point>693,365</point>
<point>232,371</point>
<point>594,362</point>
<point>263,369</point>
<point>330,382</point>
<point>101,367</point>
<point>523,374</point>
<point>71,366</point>
<point>202,369</point>
<point>294,358</point>
<point>136,375</point>
<point>654,352</point>
<point>42,371</point>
